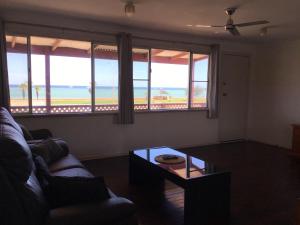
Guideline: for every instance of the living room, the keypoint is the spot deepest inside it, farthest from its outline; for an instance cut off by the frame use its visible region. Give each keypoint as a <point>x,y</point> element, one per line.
<point>242,119</point>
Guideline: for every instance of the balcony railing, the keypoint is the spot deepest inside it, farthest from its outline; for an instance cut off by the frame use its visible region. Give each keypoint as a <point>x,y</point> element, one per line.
<point>99,108</point>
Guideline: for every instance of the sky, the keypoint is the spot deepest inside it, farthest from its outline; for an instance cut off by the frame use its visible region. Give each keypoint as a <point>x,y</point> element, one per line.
<point>72,71</point>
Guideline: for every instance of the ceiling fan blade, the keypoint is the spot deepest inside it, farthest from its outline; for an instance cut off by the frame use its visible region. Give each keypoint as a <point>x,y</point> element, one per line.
<point>206,26</point>
<point>217,26</point>
<point>234,31</point>
<point>252,23</point>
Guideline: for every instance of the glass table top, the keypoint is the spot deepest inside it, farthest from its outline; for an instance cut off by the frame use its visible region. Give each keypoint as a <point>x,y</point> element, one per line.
<point>191,167</point>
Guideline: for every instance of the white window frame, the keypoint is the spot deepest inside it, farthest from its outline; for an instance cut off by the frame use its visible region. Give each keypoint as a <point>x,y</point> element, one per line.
<point>191,81</point>
<point>93,86</point>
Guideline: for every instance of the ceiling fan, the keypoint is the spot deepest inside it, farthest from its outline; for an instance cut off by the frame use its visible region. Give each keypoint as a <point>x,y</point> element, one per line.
<point>231,27</point>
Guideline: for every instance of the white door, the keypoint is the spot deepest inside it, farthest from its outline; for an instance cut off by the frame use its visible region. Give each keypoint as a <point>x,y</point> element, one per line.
<point>233,97</point>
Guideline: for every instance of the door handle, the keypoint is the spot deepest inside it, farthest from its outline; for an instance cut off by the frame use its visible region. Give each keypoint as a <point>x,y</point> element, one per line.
<point>224,94</point>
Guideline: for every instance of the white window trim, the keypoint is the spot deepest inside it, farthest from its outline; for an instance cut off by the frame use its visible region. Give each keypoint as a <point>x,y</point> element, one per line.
<point>191,81</point>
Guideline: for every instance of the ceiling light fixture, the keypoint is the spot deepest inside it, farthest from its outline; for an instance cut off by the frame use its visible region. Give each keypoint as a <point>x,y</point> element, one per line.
<point>129,9</point>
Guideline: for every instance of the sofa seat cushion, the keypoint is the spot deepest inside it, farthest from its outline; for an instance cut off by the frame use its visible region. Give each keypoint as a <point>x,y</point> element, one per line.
<point>110,211</point>
<point>67,162</point>
<point>63,191</point>
<point>73,172</point>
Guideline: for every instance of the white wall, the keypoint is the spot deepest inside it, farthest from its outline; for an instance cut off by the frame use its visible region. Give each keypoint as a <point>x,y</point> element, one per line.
<point>96,136</point>
<point>275,93</point>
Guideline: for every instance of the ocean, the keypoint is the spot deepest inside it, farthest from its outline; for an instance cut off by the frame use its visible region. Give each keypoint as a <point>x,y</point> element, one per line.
<point>101,92</point>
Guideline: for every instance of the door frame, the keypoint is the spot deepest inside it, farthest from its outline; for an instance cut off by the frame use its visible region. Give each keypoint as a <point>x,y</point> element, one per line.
<point>220,80</point>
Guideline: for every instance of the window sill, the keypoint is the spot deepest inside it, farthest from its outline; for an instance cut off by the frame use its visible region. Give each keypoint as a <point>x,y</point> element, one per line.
<point>42,115</point>
<point>171,110</point>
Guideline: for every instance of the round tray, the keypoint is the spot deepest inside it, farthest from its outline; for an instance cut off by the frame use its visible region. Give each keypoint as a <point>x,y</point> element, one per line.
<point>178,160</point>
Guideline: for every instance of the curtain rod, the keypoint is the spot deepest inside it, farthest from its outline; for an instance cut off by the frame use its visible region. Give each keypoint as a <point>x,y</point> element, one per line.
<point>103,33</point>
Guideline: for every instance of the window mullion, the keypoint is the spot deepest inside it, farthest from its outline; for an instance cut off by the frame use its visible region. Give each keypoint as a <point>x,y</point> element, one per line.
<point>48,88</point>
<point>29,74</point>
<point>190,80</point>
<point>93,86</point>
<point>149,78</point>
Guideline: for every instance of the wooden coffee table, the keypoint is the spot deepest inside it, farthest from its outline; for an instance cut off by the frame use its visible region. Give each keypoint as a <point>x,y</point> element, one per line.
<point>206,188</point>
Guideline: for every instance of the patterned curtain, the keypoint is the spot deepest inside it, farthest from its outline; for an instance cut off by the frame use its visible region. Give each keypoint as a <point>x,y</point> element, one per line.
<point>126,106</point>
<point>4,88</point>
<point>214,64</point>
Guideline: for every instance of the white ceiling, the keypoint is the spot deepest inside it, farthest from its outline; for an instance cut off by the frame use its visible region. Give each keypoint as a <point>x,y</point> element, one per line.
<point>174,15</point>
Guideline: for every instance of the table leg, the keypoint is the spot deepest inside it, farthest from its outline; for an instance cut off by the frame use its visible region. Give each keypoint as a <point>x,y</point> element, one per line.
<point>207,201</point>
<point>142,174</point>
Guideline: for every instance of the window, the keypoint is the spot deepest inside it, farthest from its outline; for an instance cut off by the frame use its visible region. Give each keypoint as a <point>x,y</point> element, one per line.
<point>17,61</point>
<point>140,78</point>
<point>66,66</point>
<point>53,75</point>
<point>61,75</point>
<point>199,81</point>
<point>169,80</point>
<point>106,77</point>
<point>38,79</point>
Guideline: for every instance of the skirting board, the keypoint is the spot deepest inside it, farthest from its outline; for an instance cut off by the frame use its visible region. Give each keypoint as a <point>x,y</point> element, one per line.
<point>100,156</point>
<point>118,154</point>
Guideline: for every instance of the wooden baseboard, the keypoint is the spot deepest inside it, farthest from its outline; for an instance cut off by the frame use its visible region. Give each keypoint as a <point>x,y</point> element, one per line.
<point>100,156</point>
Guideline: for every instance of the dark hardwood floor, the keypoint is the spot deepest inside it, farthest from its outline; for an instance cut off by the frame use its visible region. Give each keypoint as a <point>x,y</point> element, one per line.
<point>265,185</point>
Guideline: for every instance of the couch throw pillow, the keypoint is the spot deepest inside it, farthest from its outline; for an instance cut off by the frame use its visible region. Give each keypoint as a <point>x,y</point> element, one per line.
<point>61,191</point>
<point>49,150</point>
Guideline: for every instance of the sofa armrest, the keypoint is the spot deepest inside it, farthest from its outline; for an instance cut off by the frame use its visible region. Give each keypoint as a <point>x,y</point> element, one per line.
<point>113,211</point>
<point>41,134</point>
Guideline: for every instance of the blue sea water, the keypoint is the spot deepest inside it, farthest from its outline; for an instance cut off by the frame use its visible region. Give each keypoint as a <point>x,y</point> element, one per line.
<point>101,92</point>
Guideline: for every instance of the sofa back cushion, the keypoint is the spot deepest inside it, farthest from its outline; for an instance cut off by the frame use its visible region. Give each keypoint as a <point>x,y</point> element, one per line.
<point>6,118</point>
<point>15,154</point>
